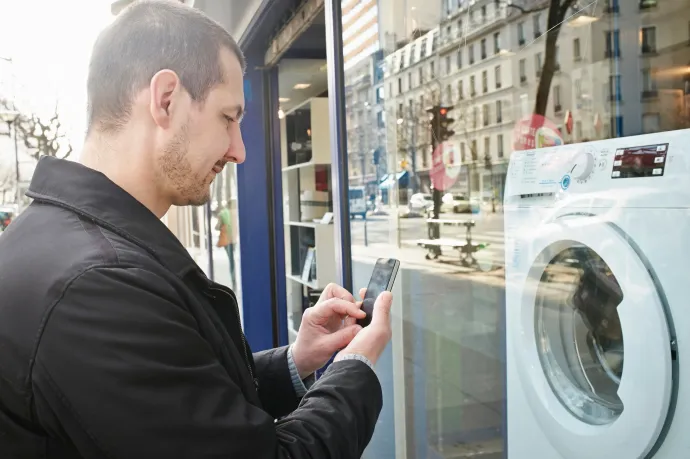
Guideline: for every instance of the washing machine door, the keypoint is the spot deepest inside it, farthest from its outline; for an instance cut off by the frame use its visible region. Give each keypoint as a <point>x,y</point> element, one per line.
<point>593,346</point>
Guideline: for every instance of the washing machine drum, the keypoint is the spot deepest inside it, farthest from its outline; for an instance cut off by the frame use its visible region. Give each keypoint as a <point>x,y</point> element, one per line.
<point>587,301</point>
<point>579,334</point>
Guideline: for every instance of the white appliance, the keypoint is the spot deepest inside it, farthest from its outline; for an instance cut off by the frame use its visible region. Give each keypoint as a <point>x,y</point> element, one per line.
<point>597,286</point>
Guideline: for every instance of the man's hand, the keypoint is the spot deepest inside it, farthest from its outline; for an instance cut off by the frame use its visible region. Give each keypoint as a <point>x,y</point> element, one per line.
<point>326,328</point>
<point>371,341</point>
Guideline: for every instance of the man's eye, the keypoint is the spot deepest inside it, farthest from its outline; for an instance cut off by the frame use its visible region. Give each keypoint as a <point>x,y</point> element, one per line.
<point>228,119</point>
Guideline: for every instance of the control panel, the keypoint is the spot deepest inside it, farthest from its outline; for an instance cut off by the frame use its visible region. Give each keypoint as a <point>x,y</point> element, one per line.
<point>603,165</point>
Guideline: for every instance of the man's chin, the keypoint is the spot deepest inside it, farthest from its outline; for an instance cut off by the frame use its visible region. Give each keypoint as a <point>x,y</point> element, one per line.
<point>192,200</point>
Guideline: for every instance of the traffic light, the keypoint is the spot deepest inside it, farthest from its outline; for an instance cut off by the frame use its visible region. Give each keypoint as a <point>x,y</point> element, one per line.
<point>445,132</point>
<point>439,124</point>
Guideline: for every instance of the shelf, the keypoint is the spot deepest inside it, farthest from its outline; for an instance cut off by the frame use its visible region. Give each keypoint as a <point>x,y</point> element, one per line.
<point>304,166</point>
<point>304,224</point>
<point>312,284</point>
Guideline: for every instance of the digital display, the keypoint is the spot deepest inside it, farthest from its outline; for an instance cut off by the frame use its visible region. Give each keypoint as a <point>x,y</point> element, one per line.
<point>380,278</point>
<point>646,161</point>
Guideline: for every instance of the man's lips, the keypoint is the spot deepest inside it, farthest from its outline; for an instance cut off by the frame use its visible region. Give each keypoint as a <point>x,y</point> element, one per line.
<point>218,168</point>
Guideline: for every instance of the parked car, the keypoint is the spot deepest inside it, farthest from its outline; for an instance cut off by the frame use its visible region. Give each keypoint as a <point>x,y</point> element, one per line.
<point>456,203</point>
<point>358,202</point>
<point>420,202</point>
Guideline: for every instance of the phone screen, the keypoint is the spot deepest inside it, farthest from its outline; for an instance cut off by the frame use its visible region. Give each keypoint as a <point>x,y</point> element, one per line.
<point>381,280</point>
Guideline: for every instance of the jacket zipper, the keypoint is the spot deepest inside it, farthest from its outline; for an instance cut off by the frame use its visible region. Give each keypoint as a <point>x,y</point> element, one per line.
<point>244,340</point>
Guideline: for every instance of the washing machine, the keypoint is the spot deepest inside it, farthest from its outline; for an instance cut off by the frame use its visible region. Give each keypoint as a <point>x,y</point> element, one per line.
<point>598,299</point>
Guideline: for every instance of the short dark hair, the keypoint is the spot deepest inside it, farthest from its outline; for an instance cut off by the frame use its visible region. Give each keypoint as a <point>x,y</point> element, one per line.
<point>146,37</point>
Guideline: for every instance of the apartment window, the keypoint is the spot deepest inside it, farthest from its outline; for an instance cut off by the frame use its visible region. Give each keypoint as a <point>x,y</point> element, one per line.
<point>617,126</point>
<point>487,148</point>
<point>523,70</point>
<point>422,49</point>
<point>449,95</point>
<point>497,42</point>
<point>400,111</point>
<point>485,81</point>
<point>557,99</point>
<point>536,24</point>
<point>484,16</point>
<point>651,122</point>
<point>499,111</point>
<point>473,88</point>
<point>449,32</point>
<point>422,102</point>
<point>612,6</point>
<point>400,89</point>
<point>409,80</point>
<point>460,30</point>
<point>471,51</point>
<point>521,33</point>
<point>648,38</point>
<point>615,88</point>
<point>577,52</point>
<point>475,117</point>
<point>432,68</point>
<point>497,76</point>
<point>462,152</point>
<point>499,144</point>
<point>390,89</point>
<point>538,64</point>
<point>485,114</point>
<point>461,90</point>
<point>613,48</point>
<point>459,63</point>
<point>649,88</point>
<point>474,150</point>
<point>402,60</point>
<point>483,48</point>
<point>448,65</point>
<point>421,75</point>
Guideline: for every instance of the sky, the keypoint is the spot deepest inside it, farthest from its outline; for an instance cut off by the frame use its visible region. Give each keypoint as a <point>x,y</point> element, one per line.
<point>49,43</point>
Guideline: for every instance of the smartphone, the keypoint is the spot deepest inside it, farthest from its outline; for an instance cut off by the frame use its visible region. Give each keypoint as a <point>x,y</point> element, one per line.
<point>382,280</point>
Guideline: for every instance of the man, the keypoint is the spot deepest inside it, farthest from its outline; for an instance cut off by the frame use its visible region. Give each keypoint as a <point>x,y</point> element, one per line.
<point>113,343</point>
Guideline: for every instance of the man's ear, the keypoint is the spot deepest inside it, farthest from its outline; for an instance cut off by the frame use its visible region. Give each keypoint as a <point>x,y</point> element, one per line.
<point>165,90</point>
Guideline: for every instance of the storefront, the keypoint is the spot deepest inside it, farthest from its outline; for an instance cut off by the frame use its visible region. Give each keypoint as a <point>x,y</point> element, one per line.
<point>338,98</point>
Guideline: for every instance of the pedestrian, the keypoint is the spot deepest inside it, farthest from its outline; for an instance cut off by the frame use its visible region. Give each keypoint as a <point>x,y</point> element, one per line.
<point>226,238</point>
<point>113,342</point>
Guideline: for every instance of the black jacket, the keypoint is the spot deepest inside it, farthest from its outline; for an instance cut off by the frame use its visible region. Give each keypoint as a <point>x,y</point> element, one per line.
<point>114,344</point>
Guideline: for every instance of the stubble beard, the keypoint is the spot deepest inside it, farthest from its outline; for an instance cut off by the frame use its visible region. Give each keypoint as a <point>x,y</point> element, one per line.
<point>189,189</point>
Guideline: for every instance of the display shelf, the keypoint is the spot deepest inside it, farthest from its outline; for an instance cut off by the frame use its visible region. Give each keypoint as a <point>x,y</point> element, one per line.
<point>307,198</point>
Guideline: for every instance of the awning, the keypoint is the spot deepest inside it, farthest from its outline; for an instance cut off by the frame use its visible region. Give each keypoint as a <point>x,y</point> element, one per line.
<point>388,181</point>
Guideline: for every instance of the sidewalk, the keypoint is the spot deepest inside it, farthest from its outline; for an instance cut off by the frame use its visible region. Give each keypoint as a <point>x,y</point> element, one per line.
<point>413,257</point>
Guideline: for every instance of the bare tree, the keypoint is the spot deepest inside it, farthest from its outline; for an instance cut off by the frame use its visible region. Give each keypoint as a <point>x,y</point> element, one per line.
<point>44,137</point>
<point>558,9</point>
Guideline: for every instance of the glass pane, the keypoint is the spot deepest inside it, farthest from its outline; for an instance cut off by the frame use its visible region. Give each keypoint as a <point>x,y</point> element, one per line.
<point>508,77</point>
<point>225,229</point>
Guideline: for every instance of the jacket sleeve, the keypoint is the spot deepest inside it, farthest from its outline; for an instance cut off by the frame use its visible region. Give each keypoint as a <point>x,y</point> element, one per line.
<point>122,372</point>
<point>276,390</point>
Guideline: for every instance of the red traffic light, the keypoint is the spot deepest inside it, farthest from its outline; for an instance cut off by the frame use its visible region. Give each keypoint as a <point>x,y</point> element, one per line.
<point>443,111</point>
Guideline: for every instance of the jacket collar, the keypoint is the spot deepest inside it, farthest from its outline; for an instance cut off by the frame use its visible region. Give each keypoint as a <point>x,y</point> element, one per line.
<point>90,193</point>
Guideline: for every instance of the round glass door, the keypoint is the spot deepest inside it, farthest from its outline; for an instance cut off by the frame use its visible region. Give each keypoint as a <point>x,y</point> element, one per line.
<point>579,334</point>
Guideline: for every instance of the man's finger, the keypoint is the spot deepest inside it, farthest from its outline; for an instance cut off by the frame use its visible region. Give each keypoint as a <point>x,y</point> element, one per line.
<point>336,291</point>
<point>382,309</point>
<point>327,309</point>
<point>362,292</point>
<point>353,320</point>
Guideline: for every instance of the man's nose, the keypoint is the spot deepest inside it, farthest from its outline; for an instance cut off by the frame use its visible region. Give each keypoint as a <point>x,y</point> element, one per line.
<point>236,153</point>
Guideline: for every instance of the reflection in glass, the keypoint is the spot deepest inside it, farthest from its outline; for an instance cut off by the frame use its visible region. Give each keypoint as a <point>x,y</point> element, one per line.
<point>579,336</point>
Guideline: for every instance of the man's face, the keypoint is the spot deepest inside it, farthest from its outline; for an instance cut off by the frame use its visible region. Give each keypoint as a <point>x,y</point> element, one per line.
<point>203,138</point>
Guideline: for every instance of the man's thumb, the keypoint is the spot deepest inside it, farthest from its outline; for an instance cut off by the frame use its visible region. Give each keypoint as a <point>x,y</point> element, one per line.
<point>382,308</point>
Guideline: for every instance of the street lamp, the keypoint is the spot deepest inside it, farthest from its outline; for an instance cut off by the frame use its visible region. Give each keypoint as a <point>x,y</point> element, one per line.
<point>11,118</point>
